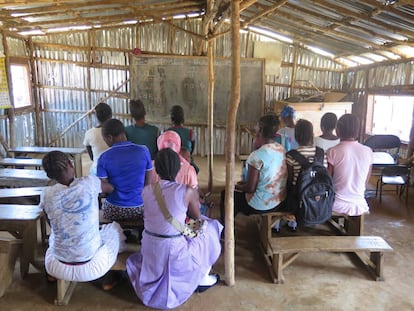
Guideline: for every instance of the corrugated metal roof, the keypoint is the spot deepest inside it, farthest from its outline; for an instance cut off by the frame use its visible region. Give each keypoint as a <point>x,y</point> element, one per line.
<point>343,28</point>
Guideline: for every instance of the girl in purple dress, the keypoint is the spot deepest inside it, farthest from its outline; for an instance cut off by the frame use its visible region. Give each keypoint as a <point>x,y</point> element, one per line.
<point>169,268</point>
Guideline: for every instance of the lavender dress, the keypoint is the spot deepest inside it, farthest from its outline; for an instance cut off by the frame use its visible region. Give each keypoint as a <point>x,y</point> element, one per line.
<point>166,271</point>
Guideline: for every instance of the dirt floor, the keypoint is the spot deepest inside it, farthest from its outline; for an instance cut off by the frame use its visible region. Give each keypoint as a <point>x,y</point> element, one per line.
<point>315,281</point>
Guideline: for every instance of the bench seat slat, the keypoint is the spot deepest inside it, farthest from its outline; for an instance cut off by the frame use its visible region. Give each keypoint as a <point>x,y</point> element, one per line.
<point>329,244</point>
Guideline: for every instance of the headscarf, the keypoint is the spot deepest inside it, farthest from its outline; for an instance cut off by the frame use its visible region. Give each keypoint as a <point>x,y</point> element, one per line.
<point>169,139</point>
<point>287,112</point>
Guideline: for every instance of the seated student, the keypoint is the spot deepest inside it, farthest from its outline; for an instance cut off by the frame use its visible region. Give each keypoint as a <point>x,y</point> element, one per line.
<point>265,186</point>
<point>128,167</point>
<point>350,164</point>
<point>304,137</point>
<point>186,134</point>
<point>328,139</point>
<point>170,267</point>
<point>279,138</point>
<point>288,115</point>
<point>142,133</point>
<point>187,174</point>
<point>93,140</point>
<point>78,250</point>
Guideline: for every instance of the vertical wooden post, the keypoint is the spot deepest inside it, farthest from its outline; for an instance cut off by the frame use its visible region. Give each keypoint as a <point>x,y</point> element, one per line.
<point>35,90</point>
<point>10,111</point>
<point>210,124</point>
<point>294,69</point>
<point>91,59</point>
<point>231,143</point>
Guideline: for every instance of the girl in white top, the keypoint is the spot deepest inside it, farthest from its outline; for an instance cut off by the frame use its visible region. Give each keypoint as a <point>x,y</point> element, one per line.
<point>93,140</point>
<point>328,139</point>
<point>78,249</point>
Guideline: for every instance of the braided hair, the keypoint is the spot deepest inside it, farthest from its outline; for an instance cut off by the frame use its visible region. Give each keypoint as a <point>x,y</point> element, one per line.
<point>167,164</point>
<point>55,163</point>
<point>269,124</point>
<point>177,115</point>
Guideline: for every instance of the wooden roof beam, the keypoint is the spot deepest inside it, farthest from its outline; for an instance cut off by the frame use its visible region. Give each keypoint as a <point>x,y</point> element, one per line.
<point>346,12</point>
<point>347,23</point>
<point>264,13</point>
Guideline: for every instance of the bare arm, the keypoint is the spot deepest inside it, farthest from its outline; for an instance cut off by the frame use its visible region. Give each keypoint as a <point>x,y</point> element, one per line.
<point>106,186</point>
<point>193,203</point>
<point>149,177</point>
<point>89,149</point>
<point>252,180</point>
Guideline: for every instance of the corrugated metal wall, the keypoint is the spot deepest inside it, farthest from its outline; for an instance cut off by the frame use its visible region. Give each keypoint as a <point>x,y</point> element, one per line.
<point>70,83</point>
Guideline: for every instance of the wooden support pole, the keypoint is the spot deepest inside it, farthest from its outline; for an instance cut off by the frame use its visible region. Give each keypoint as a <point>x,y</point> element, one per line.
<point>231,144</point>
<point>10,111</point>
<point>210,123</point>
<point>35,92</point>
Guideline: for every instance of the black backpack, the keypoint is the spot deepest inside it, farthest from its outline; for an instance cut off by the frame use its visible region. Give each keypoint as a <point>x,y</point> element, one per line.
<point>314,194</point>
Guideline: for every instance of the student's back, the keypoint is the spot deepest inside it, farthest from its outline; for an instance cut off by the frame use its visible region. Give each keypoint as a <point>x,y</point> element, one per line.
<point>142,133</point>
<point>350,165</point>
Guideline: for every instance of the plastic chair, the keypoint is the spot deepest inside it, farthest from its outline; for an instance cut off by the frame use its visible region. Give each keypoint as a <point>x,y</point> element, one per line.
<point>397,175</point>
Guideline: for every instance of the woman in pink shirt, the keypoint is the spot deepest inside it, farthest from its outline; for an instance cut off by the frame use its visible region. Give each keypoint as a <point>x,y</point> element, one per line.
<point>350,164</point>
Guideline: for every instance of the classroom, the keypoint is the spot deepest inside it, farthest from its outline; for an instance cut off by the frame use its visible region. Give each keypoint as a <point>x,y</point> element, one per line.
<point>227,64</point>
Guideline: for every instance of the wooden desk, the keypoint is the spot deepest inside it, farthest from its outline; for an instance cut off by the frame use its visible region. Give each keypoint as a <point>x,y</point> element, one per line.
<point>14,162</point>
<point>76,153</point>
<point>21,222</point>
<point>12,177</point>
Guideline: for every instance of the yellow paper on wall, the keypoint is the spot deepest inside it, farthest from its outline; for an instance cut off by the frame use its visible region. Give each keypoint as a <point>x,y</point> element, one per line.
<point>4,86</point>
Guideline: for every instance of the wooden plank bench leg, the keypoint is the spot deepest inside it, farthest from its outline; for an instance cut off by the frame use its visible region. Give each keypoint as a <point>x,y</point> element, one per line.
<point>378,258</point>
<point>354,225</point>
<point>9,251</point>
<point>64,292</point>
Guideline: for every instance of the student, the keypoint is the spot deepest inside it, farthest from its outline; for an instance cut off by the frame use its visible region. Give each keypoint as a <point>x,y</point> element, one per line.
<point>93,140</point>
<point>186,134</point>
<point>288,115</point>
<point>187,174</point>
<point>128,167</point>
<point>350,164</point>
<point>304,137</point>
<point>328,139</point>
<point>78,250</point>
<point>142,133</point>
<point>169,268</point>
<point>279,138</point>
<point>265,186</point>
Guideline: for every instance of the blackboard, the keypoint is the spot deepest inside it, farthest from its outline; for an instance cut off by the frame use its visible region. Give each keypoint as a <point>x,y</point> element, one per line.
<point>164,81</point>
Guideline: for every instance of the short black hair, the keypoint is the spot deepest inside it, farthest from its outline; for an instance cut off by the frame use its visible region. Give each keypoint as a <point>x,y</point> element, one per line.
<point>55,163</point>
<point>103,112</point>
<point>269,125</point>
<point>113,127</point>
<point>304,132</point>
<point>137,109</point>
<point>167,164</point>
<point>328,121</point>
<point>177,115</point>
<point>347,126</point>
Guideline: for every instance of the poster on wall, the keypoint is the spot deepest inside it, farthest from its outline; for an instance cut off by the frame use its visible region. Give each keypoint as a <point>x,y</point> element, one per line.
<point>4,87</point>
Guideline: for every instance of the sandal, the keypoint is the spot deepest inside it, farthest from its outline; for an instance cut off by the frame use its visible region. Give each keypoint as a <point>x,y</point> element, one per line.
<point>111,279</point>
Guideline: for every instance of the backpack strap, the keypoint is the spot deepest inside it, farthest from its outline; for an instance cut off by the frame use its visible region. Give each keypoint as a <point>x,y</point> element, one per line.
<point>298,157</point>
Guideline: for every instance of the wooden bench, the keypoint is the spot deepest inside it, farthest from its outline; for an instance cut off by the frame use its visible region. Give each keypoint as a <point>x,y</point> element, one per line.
<point>65,288</point>
<point>21,221</point>
<point>347,225</point>
<point>285,250</point>
<point>9,251</point>
<point>26,195</point>
<point>265,224</point>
